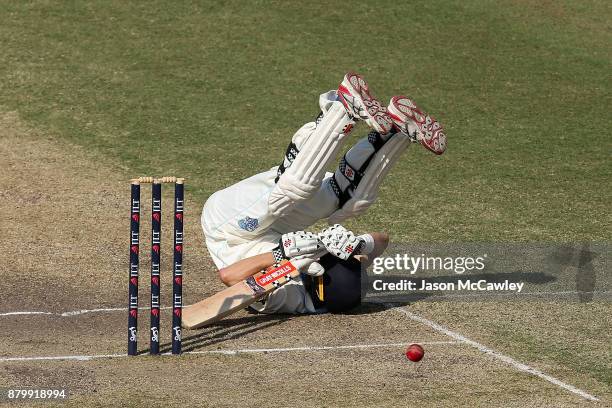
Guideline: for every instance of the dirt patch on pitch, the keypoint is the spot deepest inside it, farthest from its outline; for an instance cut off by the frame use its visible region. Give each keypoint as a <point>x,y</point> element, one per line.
<point>65,219</point>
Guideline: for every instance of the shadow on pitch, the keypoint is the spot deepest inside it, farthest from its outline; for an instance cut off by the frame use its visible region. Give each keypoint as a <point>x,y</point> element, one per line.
<point>228,329</point>
<point>231,329</point>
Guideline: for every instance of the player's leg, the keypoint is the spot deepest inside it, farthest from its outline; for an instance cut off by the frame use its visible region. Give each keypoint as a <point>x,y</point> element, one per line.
<point>363,168</point>
<point>237,219</point>
<point>361,171</point>
<point>316,145</point>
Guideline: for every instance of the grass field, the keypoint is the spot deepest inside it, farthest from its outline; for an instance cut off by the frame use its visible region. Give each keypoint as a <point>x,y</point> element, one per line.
<point>213,91</point>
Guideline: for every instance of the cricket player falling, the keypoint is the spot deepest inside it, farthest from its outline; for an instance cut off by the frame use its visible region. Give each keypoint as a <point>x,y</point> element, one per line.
<point>259,221</point>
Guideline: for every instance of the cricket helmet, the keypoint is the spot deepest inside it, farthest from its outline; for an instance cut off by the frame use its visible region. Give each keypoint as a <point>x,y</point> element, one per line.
<point>339,288</point>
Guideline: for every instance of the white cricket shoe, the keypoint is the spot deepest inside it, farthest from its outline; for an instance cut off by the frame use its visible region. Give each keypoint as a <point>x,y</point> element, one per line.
<point>354,93</point>
<point>410,119</point>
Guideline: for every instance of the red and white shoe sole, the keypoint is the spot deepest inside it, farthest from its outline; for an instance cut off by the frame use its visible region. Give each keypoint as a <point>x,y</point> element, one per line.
<point>431,132</point>
<point>354,91</point>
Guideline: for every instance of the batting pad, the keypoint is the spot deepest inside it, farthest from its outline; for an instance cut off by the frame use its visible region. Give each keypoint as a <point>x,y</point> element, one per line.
<point>303,178</point>
<point>366,191</point>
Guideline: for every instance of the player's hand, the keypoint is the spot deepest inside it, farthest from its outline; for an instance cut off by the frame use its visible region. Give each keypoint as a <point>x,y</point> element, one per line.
<point>299,243</point>
<point>308,264</point>
<point>340,242</point>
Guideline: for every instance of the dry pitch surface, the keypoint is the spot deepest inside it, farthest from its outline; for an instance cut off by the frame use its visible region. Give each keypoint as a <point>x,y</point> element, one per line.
<point>64,225</point>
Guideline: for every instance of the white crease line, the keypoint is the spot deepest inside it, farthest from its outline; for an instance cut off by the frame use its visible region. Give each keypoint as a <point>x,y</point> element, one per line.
<point>76,357</point>
<point>84,311</point>
<point>318,348</point>
<point>229,352</point>
<point>114,309</point>
<point>502,357</point>
<point>80,312</point>
<point>433,297</point>
<point>25,313</point>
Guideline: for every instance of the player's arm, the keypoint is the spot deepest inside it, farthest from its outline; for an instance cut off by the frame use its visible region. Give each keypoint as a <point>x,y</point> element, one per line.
<point>291,245</point>
<point>244,268</point>
<point>381,240</point>
<point>303,249</point>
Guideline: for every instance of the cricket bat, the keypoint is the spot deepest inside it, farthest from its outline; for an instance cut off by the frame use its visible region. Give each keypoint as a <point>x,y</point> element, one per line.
<point>240,295</point>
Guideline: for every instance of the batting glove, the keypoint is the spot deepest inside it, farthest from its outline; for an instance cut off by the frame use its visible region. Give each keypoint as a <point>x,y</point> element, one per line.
<point>299,243</point>
<point>308,265</point>
<point>340,242</point>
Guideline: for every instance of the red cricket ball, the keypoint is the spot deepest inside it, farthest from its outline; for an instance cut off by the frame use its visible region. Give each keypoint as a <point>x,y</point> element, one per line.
<point>415,352</point>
